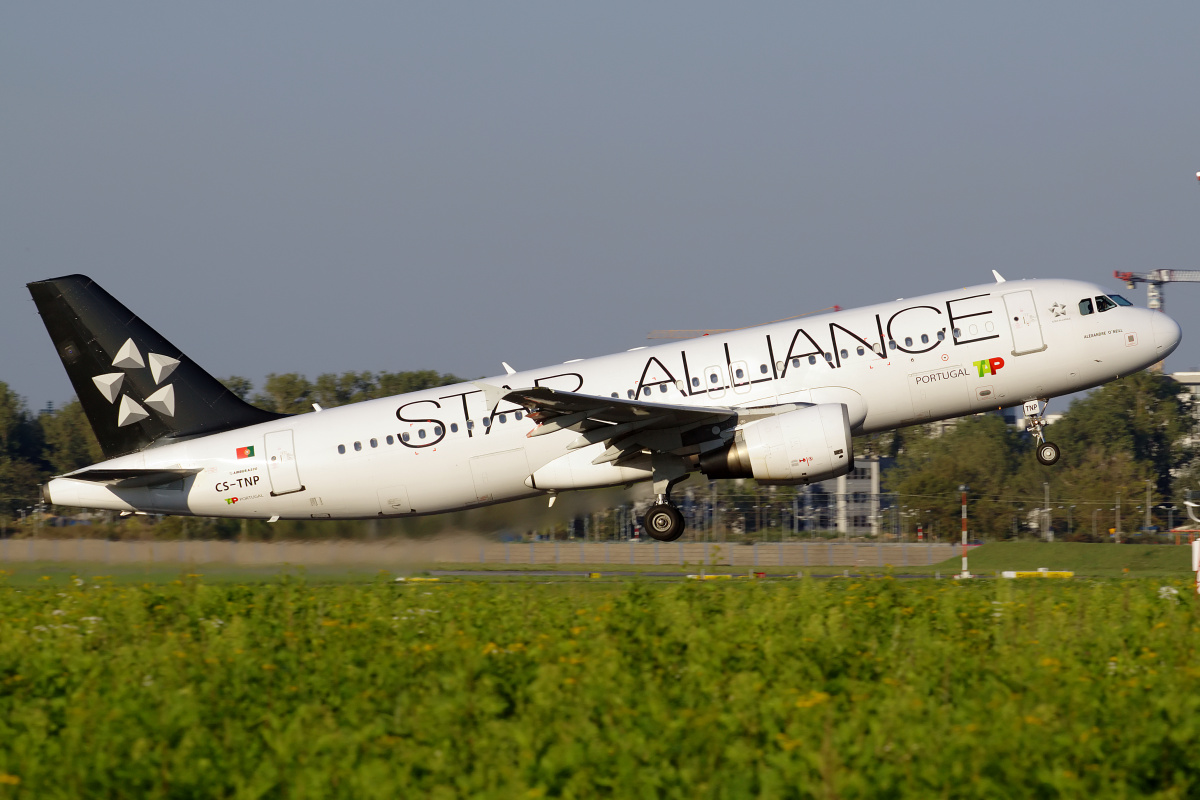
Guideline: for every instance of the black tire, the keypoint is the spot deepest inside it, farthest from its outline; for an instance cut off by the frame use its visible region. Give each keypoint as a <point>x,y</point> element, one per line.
<point>663,522</point>
<point>1047,453</point>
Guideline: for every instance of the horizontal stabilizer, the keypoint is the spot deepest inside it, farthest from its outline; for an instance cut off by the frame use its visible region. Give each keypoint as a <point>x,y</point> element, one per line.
<point>133,478</point>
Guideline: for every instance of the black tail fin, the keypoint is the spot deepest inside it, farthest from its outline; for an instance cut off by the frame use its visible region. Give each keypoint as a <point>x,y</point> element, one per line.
<point>134,385</point>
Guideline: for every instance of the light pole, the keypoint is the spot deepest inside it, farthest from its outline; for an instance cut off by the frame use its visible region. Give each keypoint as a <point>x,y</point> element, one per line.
<point>1146,526</point>
<point>1170,517</point>
<point>1047,534</point>
<point>1095,511</point>
<point>965,572</point>
<point>1117,526</point>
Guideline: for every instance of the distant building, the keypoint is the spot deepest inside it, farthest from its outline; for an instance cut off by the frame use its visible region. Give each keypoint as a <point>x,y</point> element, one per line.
<point>853,504</point>
<point>1191,382</point>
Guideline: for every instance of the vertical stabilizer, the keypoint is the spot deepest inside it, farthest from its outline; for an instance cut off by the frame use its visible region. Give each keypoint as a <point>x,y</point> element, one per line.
<point>134,385</point>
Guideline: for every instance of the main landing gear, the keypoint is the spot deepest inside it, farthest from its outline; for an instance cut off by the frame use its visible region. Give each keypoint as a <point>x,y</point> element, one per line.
<point>663,520</point>
<point>1047,452</point>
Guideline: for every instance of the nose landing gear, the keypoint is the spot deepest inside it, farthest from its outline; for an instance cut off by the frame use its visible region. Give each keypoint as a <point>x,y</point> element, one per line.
<point>1047,452</point>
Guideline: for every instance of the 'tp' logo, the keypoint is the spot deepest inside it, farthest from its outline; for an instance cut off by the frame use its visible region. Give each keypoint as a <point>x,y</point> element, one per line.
<point>989,366</point>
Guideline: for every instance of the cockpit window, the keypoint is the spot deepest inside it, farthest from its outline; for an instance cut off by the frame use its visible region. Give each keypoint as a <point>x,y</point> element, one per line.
<point>1104,304</point>
<point>1085,306</point>
<point>1121,301</point>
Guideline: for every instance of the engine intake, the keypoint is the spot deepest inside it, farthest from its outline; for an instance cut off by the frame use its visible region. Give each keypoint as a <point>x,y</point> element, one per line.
<point>801,446</point>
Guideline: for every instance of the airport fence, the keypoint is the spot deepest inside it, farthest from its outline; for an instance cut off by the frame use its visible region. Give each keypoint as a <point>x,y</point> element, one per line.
<point>467,550</point>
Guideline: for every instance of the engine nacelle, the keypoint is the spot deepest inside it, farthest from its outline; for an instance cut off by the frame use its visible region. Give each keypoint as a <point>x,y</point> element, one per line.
<point>801,446</point>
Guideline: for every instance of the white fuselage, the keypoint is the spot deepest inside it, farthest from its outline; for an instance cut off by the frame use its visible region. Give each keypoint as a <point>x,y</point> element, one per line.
<point>893,364</point>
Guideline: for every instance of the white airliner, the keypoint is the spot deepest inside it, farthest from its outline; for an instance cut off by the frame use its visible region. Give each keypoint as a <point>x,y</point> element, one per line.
<point>778,403</point>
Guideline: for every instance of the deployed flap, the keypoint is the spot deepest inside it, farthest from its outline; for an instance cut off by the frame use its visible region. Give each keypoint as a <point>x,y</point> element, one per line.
<point>132,478</point>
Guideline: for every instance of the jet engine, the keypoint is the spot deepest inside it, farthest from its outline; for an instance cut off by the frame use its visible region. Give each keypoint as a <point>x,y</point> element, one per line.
<point>801,446</point>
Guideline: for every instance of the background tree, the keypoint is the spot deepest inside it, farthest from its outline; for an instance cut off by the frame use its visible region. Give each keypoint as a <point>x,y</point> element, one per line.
<point>70,442</point>
<point>288,393</point>
<point>1144,416</point>
<point>21,464</point>
<point>981,452</point>
<point>238,385</point>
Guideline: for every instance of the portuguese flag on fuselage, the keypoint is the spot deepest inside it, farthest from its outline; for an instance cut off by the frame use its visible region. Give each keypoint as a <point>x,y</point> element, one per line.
<point>245,452</point>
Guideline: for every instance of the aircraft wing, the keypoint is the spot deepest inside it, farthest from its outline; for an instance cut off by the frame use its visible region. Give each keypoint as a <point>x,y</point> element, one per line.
<point>629,427</point>
<point>546,405</point>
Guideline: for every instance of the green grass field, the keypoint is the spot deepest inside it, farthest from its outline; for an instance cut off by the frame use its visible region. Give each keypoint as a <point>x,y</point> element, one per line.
<point>841,688</point>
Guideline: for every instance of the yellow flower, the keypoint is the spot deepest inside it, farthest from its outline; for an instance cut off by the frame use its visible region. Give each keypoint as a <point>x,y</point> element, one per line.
<point>9,780</point>
<point>812,699</point>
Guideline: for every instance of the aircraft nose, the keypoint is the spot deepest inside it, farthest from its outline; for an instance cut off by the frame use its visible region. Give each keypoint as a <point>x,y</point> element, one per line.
<point>1167,333</point>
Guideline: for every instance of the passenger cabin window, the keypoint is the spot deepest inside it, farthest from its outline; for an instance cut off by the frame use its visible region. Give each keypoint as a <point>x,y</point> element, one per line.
<point>487,423</point>
<point>908,341</point>
<point>374,443</point>
<point>739,373</point>
<point>695,383</point>
<point>811,360</point>
<point>503,419</point>
<point>358,446</point>
<point>517,416</point>
<point>630,394</point>
<point>390,440</point>
<point>1104,304</point>
<point>645,391</point>
<point>662,388</point>
<point>941,336</point>
<point>891,344</point>
<point>342,449</point>
<point>860,351</point>
<point>844,353</point>
<point>404,436</point>
<point>453,428</point>
<point>924,338</point>
<point>437,430</point>
<point>1085,306</point>
<point>470,424</point>
<point>957,333</point>
<point>829,356</point>
<point>762,368</point>
<point>420,433</point>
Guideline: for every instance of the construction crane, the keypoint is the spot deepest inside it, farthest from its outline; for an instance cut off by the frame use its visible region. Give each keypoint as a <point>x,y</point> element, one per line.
<point>1154,279</point>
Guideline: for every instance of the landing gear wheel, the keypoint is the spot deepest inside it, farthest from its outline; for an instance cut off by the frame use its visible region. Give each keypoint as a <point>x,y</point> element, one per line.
<point>663,522</point>
<point>1047,453</point>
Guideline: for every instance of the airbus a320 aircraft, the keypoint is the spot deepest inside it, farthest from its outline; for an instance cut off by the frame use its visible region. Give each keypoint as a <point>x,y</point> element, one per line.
<point>778,403</point>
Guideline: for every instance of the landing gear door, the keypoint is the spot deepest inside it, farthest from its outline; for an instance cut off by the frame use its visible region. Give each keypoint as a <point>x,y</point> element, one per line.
<point>1023,321</point>
<point>281,463</point>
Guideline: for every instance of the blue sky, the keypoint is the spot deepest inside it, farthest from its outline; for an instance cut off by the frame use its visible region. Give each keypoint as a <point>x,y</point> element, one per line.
<point>314,188</point>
